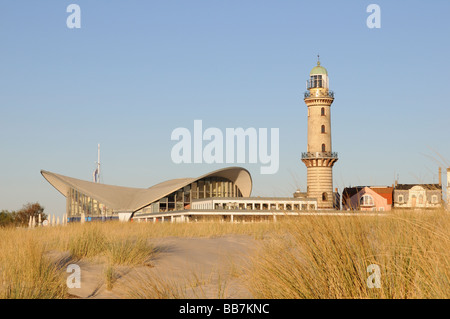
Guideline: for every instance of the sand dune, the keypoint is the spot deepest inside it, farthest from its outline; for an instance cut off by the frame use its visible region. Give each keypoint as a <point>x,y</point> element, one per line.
<point>202,267</point>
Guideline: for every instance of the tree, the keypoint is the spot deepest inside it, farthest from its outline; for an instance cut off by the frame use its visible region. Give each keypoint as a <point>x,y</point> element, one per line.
<point>6,218</point>
<point>22,217</point>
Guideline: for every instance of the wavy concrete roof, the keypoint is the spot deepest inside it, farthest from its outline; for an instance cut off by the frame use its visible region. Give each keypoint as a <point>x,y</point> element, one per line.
<point>121,198</point>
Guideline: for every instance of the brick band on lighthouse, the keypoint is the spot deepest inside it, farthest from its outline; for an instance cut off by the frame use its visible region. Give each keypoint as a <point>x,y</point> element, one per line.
<point>319,158</point>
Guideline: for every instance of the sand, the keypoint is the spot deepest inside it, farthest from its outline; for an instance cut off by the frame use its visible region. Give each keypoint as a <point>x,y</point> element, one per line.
<point>200,267</point>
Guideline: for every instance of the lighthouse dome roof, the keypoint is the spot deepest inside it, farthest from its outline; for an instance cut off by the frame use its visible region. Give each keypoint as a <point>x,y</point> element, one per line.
<point>318,70</point>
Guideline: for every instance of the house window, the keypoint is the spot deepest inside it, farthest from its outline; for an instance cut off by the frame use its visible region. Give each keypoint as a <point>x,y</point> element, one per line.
<point>401,199</point>
<point>323,148</point>
<point>434,199</point>
<point>366,200</point>
<point>323,129</point>
<point>322,111</point>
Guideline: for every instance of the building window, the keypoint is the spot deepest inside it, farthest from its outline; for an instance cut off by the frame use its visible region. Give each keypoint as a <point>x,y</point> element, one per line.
<point>434,199</point>
<point>323,129</point>
<point>323,148</point>
<point>381,209</point>
<point>322,111</point>
<point>324,197</point>
<point>366,200</point>
<point>401,199</point>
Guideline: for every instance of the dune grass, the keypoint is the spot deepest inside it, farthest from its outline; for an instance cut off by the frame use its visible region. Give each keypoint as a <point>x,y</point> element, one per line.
<point>25,270</point>
<point>149,286</point>
<point>328,257</point>
<point>88,243</point>
<point>194,285</point>
<point>302,257</point>
<point>110,276</point>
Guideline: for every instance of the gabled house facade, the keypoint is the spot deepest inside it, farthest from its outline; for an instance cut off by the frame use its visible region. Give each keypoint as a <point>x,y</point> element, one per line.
<point>365,198</point>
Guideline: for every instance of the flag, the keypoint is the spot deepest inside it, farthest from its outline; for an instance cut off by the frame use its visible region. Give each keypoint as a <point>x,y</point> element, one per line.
<point>95,175</point>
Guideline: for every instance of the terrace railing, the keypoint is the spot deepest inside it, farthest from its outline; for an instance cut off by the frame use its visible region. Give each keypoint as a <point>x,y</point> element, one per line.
<point>308,155</point>
<point>307,94</point>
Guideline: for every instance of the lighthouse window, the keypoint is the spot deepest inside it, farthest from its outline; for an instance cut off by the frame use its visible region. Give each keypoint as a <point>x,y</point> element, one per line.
<point>323,129</point>
<point>324,196</point>
<point>316,81</point>
<point>322,111</point>
<point>323,147</point>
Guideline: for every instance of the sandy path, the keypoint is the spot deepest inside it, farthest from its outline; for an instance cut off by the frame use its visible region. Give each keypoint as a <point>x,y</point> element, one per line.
<point>208,267</point>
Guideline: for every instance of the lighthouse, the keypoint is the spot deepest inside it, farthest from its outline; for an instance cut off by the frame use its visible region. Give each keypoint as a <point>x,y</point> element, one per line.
<point>319,157</point>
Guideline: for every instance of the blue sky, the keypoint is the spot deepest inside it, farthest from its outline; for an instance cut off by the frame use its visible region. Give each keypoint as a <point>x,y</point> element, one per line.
<point>136,70</point>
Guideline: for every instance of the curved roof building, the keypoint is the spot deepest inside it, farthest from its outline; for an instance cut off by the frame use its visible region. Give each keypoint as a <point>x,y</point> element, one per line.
<point>100,200</point>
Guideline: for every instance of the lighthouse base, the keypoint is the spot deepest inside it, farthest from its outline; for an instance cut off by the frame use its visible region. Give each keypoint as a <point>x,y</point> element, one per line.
<point>320,186</point>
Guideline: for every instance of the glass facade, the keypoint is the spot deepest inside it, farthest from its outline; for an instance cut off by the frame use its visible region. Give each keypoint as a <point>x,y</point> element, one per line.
<point>78,203</point>
<point>204,188</point>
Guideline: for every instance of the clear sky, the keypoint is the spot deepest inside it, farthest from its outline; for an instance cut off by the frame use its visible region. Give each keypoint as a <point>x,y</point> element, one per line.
<point>136,70</point>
